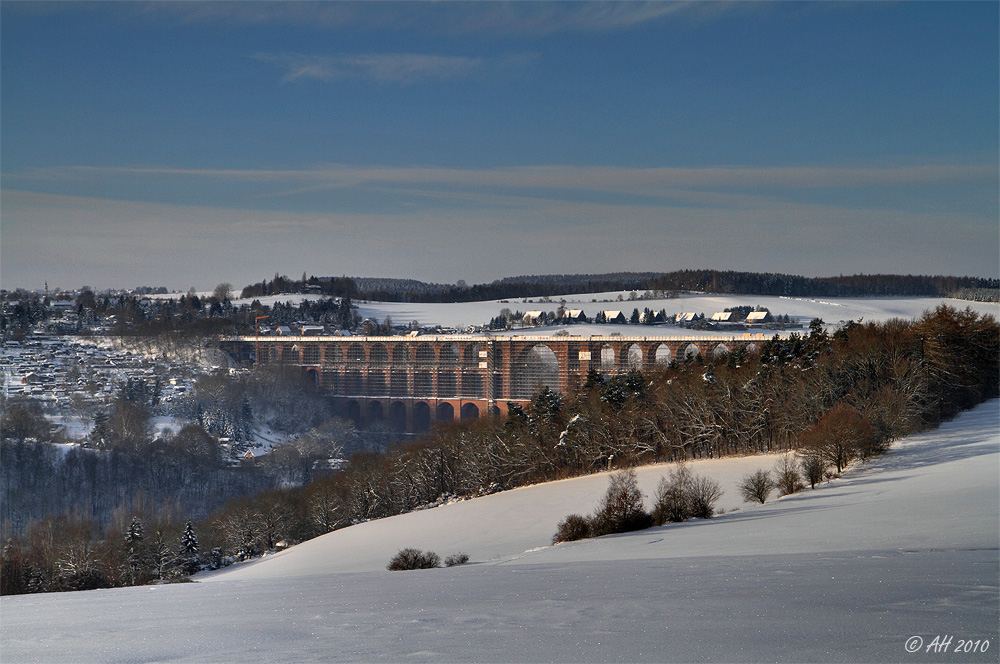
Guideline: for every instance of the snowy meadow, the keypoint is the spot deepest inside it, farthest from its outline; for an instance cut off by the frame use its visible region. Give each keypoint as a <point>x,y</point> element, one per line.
<point>890,562</point>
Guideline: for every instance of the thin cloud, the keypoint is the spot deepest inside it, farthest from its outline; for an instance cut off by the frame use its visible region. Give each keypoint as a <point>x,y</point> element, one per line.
<point>522,18</point>
<point>642,181</point>
<point>397,68</point>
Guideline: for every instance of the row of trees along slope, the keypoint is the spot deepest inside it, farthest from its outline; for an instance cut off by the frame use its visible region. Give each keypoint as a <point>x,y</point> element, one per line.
<point>850,394</point>
<point>708,281</point>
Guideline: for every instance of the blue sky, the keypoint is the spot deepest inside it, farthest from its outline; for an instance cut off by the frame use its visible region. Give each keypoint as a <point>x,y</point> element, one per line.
<point>186,144</point>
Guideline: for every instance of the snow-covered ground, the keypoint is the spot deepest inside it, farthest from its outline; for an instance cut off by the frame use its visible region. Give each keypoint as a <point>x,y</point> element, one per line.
<point>901,549</point>
<point>832,310</point>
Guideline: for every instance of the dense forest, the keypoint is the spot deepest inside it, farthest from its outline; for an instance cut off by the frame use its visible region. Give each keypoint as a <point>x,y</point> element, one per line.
<point>707,281</point>
<point>833,398</point>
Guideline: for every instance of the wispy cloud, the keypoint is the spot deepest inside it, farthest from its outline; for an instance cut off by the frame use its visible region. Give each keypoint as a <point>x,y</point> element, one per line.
<point>639,181</point>
<point>398,68</point>
<point>523,18</point>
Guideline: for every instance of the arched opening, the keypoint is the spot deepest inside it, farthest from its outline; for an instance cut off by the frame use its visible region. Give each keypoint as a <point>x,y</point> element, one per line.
<point>634,357</point>
<point>421,416</point>
<point>310,354</point>
<point>355,353</point>
<point>377,353</point>
<point>332,353</point>
<point>691,352</point>
<point>448,354</point>
<point>397,416</point>
<point>293,355</point>
<point>425,354</point>
<point>607,358</point>
<point>663,354</point>
<point>400,354</point>
<point>313,376</point>
<point>537,368</point>
<point>720,351</point>
<point>352,409</point>
<point>470,411</point>
<point>470,355</point>
<point>445,412</point>
<point>374,411</point>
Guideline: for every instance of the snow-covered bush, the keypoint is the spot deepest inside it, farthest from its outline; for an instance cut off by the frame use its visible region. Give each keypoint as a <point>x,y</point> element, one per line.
<point>621,510</point>
<point>456,559</point>
<point>684,496</point>
<point>757,486</point>
<point>573,527</point>
<point>703,494</point>
<point>410,558</point>
<point>787,476</point>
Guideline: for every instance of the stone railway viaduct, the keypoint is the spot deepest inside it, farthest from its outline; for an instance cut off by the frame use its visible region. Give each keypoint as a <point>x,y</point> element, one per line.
<point>411,382</point>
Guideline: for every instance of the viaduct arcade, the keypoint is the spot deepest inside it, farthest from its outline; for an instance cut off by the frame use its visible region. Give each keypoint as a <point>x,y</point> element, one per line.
<point>410,383</point>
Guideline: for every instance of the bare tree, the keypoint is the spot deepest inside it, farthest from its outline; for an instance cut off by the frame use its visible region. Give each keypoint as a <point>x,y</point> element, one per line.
<point>223,291</point>
<point>788,478</point>
<point>757,486</point>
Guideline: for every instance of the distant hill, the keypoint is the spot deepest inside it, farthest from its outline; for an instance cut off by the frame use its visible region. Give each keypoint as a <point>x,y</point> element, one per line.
<point>708,281</point>
<point>660,283</point>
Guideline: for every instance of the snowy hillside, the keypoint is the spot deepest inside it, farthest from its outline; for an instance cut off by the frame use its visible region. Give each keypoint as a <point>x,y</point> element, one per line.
<point>903,547</point>
<point>832,310</point>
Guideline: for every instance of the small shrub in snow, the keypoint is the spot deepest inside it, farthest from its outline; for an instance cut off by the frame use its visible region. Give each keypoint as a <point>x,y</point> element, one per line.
<point>757,486</point>
<point>413,559</point>
<point>671,503</point>
<point>787,477</point>
<point>813,466</point>
<point>621,510</point>
<point>456,559</point>
<point>703,494</point>
<point>684,496</point>
<point>573,527</point>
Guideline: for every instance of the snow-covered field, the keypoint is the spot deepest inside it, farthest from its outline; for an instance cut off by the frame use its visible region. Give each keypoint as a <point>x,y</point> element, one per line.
<point>901,549</point>
<point>832,310</point>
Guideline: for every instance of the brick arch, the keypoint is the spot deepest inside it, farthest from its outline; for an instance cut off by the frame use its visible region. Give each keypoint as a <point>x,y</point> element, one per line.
<point>445,412</point>
<point>400,354</point>
<point>448,354</point>
<point>425,354</point>
<point>607,358</point>
<point>536,366</point>
<point>421,416</point>
<point>310,354</point>
<point>663,355</point>
<point>470,354</point>
<point>356,352</point>
<point>378,353</point>
<point>332,354</point>
<point>634,356</point>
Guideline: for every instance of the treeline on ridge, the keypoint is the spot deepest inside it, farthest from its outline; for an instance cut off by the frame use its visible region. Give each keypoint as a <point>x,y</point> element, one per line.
<point>708,281</point>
